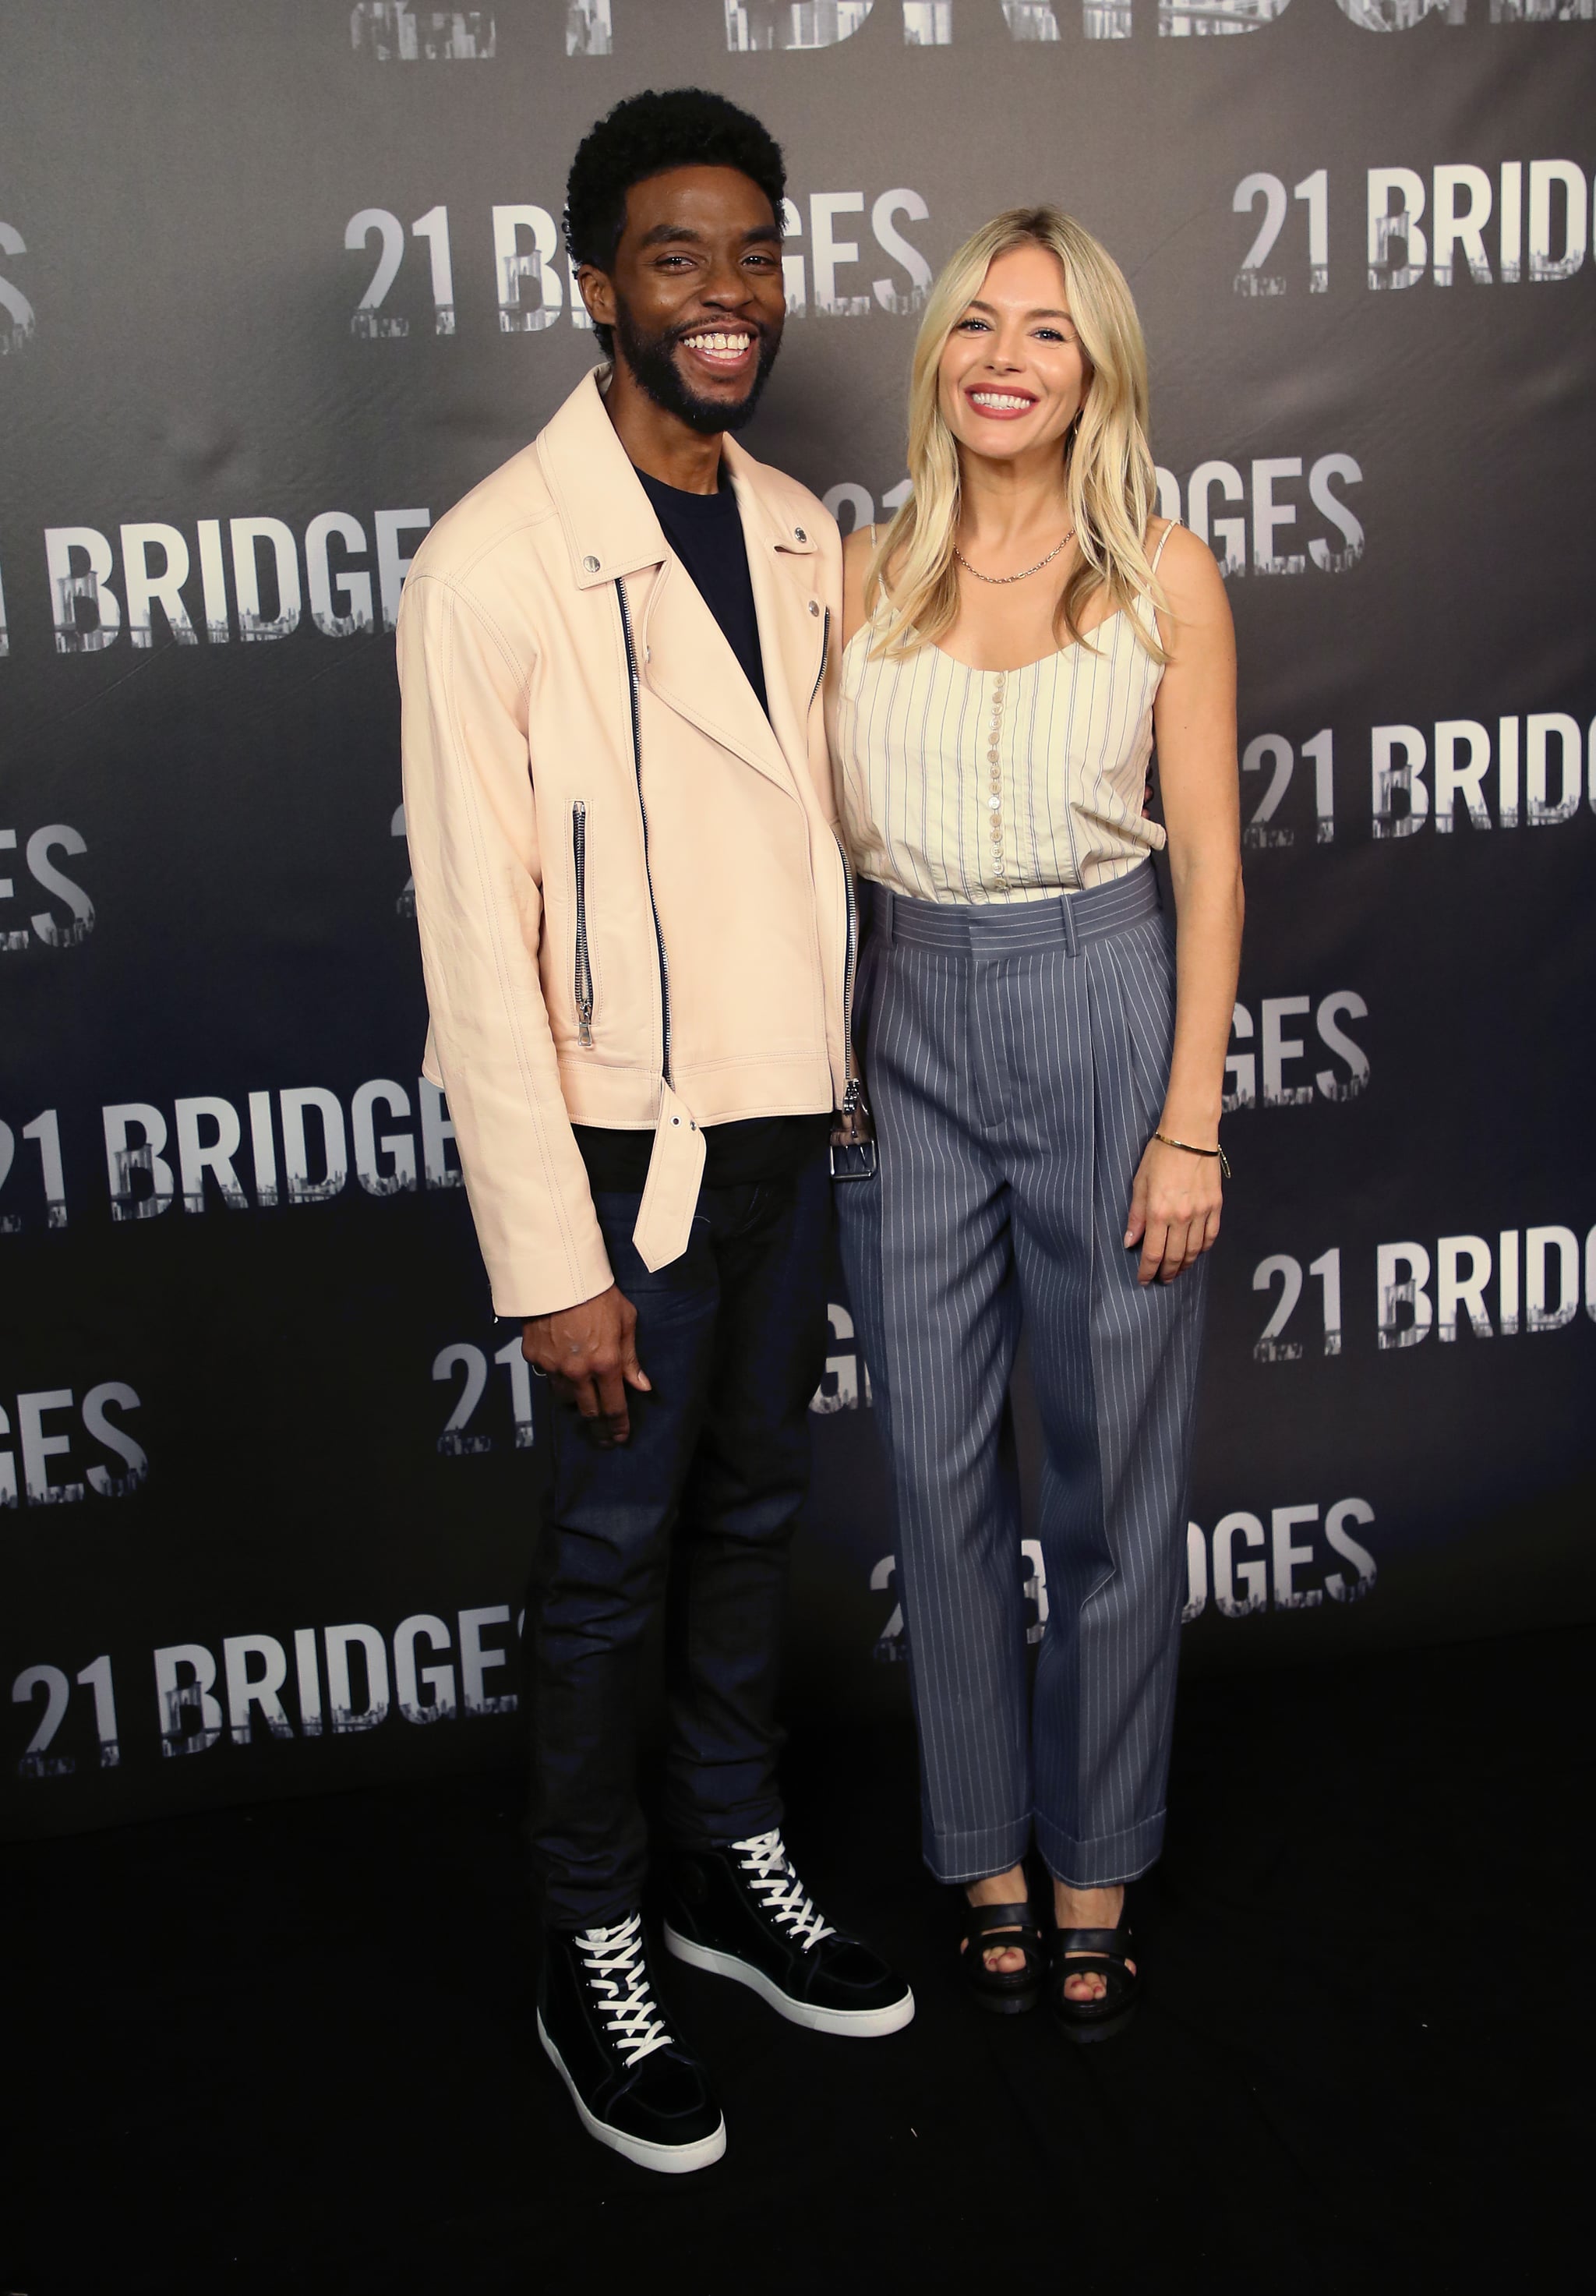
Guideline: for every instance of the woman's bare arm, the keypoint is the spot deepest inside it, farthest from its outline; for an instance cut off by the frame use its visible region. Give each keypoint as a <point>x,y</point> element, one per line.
<point>1175,1199</point>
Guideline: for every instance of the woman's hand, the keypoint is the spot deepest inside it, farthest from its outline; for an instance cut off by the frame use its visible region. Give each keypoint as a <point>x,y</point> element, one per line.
<point>1175,1199</point>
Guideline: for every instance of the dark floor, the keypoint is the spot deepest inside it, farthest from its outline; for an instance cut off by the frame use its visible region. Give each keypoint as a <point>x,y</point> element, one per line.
<point>291,2048</point>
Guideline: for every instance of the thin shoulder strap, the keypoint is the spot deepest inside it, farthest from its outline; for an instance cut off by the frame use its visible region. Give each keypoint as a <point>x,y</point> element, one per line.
<point>1163,538</point>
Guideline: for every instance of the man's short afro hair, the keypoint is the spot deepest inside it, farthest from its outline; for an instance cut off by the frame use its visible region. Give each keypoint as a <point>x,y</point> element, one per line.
<point>645,135</point>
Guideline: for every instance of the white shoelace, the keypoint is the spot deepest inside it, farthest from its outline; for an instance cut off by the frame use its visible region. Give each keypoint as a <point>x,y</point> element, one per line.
<point>763,1857</point>
<point>619,1974</point>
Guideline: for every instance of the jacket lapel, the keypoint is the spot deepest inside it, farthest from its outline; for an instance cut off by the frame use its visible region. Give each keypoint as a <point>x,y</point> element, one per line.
<point>688,662</point>
<point>793,625</point>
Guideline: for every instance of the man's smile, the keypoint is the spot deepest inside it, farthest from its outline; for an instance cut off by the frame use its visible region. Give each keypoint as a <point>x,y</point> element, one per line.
<point>725,349</point>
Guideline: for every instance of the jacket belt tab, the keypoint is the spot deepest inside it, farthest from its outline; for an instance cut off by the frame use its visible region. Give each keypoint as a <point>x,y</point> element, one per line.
<point>670,1194</point>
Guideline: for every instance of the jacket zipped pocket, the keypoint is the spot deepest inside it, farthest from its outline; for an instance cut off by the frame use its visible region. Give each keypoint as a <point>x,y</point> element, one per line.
<point>583,983</point>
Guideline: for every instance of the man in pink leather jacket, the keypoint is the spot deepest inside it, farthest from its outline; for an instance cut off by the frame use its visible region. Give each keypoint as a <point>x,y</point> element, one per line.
<point>636,931</point>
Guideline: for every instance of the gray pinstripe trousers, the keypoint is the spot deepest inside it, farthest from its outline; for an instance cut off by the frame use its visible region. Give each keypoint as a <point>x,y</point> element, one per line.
<point>1016,1059</point>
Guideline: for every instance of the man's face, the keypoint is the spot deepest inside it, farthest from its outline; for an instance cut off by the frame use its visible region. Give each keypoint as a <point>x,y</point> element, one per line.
<point>695,294</point>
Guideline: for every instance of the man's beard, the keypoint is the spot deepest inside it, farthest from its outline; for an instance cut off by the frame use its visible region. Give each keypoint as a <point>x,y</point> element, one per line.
<point>650,358</point>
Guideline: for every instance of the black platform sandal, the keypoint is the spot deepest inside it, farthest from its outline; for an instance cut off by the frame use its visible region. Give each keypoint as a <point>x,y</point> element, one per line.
<point>1094,1953</point>
<point>1004,1992</point>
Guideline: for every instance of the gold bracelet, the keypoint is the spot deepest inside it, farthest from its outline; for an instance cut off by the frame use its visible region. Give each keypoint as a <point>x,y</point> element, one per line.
<point>1224,1162</point>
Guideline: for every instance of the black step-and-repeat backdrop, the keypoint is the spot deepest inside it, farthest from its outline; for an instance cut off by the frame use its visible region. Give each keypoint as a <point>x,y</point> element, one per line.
<point>281,279</point>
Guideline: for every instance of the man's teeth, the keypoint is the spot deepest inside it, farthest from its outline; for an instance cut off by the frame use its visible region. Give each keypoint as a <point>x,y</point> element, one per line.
<point>999,398</point>
<point>718,346</point>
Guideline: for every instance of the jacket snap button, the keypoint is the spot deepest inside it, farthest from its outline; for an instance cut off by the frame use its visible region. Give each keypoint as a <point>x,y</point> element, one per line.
<point>798,535</point>
<point>590,566</point>
<point>813,606</point>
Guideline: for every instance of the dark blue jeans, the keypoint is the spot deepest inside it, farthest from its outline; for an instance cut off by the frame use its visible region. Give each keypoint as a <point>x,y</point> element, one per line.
<point>696,1508</point>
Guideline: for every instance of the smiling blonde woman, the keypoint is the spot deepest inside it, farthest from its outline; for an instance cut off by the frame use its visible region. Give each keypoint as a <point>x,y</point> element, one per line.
<point>1043,1072</point>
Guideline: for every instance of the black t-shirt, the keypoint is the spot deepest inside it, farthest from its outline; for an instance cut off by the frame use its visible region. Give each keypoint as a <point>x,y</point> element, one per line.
<point>705,533</point>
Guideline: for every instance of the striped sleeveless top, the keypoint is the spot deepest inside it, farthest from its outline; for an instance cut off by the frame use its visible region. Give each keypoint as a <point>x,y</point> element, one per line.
<point>993,785</point>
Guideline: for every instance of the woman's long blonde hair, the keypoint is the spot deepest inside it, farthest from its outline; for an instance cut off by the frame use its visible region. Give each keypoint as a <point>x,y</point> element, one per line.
<point>1112,482</point>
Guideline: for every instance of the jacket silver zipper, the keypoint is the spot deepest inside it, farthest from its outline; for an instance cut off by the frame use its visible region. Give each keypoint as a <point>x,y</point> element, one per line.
<point>853,935</point>
<point>825,647</point>
<point>847,877</point>
<point>584,979</point>
<point>626,615</point>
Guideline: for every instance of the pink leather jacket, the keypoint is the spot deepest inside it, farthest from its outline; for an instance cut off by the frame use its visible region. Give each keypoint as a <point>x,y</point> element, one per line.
<point>634,906</point>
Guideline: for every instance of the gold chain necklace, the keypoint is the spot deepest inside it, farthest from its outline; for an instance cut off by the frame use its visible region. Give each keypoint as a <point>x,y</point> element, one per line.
<point>1025,576</point>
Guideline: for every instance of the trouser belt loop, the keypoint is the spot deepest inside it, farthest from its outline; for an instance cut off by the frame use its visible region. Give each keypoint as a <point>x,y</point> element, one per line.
<point>885,904</point>
<point>1072,941</point>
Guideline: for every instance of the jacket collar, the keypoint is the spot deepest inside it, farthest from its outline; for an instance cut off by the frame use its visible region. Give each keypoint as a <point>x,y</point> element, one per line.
<point>762,521</point>
<point>611,530</point>
<point>608,519</point>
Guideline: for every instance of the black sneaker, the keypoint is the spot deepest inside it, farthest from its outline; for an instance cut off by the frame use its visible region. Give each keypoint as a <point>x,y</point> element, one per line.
<point>742,1913</point>
<point>635,2086</point>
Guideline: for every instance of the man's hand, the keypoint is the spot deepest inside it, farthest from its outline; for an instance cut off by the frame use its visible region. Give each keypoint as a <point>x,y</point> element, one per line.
<point>589,1355</point>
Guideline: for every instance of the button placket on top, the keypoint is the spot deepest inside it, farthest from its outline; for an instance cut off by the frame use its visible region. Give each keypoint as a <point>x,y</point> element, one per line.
<point>995,772</point>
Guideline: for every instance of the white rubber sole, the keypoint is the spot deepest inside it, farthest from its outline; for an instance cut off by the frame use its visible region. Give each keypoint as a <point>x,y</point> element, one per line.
<point>862,2024</point>
<point>667,2159</point>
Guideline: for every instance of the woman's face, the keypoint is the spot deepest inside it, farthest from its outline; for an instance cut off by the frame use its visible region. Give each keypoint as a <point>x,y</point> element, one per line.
<point>1014,375</point>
